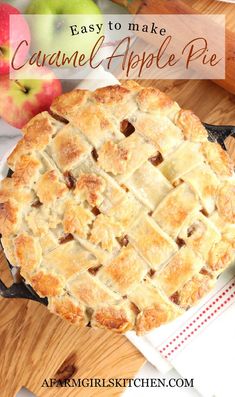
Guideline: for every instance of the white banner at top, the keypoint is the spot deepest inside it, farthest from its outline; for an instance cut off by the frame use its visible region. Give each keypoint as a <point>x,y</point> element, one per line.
<point>138,47</point>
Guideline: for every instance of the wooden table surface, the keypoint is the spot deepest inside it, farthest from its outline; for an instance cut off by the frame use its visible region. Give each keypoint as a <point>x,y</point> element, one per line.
<point>36,344</point>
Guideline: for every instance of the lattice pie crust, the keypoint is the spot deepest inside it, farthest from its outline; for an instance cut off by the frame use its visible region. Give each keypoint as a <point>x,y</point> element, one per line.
<point>119,209</point>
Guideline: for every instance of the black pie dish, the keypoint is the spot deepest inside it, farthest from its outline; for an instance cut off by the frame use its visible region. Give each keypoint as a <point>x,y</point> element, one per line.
<point>20,289</point>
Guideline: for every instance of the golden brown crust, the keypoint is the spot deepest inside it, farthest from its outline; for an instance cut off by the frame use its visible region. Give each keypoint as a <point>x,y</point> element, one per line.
<point>66,105</point>
<point>118,99</point>
<point>9,249</point>
<point>176,207</point>
<point>195,289</point>
<point>226,202</point>
<point>68,310</point>
<point>94,124</point>
<point>200,235</point>
<point>131,85</point>
<point>113,318</point>
<point>182,160</point>
<point>204,183</point>
<point>26,171</point>
<point>46,284</point>
<point>125,271</point>
<point>9,217</point>
<point>154,308</point>
<point>111,95</point>
<point>28,252</point>
<point>218,159</point>
<point>151,318</point>
<point>77,219</point>
<point>178,270</point>
<point>69,148</point>
<point>161,131</point>
<point>90,187</point>
<point>118,209</point>
<point>191,126</point>
<point>89,290</point>
<point>113,158</point>
<point>124,158</point>
<point>151,242</point>
<point>49,188</point>
<point>37,135</point>
<point>15,190</point>
<point>68,257</point>
<point>221,256</point>
<point>105,231</point>
<point>153,100</point>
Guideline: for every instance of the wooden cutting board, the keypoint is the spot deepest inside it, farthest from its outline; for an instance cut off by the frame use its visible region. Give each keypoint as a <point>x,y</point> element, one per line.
<point>36,344</point>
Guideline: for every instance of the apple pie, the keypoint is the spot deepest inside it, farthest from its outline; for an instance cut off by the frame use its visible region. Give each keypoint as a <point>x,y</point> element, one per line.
<point>119,209</point>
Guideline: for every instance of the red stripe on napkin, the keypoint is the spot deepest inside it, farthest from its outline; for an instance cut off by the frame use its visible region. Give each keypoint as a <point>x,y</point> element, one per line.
<point>212,309</point>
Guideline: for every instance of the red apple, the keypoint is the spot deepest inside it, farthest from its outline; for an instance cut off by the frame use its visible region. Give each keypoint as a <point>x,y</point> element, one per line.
<point>20,100</point>
<point>19,32</point>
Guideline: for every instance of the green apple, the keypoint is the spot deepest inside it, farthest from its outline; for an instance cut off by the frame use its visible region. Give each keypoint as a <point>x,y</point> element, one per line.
<point>51,25</point>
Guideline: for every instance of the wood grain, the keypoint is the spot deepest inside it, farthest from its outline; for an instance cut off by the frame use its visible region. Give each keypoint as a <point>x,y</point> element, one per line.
<point>36,344</point>
<point>194,7</point>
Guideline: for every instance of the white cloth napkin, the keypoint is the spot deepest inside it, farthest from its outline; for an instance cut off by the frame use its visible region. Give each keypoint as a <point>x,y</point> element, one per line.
<point>199,344</point>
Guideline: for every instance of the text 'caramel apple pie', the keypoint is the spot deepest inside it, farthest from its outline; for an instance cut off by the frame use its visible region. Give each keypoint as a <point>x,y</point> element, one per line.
<point>119,210</point>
